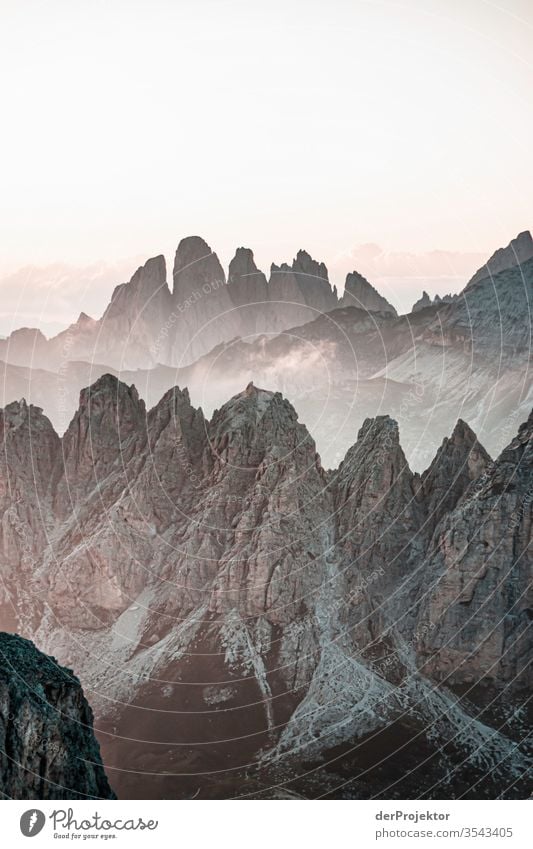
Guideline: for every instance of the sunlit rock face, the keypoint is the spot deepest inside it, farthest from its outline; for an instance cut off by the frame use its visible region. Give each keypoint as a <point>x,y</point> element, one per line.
<point>47,746</point>
<point>229,605</point>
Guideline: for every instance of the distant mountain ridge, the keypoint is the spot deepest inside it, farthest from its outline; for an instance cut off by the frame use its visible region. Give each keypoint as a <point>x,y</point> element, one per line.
<point>518,251</point>
<point>467,358</point>
<point>147,323</point>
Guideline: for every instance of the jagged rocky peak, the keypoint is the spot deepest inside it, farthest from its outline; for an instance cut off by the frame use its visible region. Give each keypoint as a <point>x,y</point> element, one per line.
<point>246,283</point>
<point>373,466</point>
<point>426,301</point>
<point>267,486</point>
<point>247,406</point>
<point>108,400</point>
<point>84,320</point>
<point>375,431</point>
<point>243,263</point>
<point>145,289</point>
<point>15,414</point>
<point>460,460</point>
<point>150,276</point>
<point>195,265</point>
<point>283,285</point>
<point>475,620</point>
<point>305,264</point>
<point>358,292</point>
<point>445,299</point>
<point>312,277</point>
<point>191,249</point>
<point>25,432</point>
<point>511,471</point>
<point>223,555</point>
<point>306,283</point>
<point>175,416</point>
<point>422,303</point>
<point>518,250</point>
<point>174,400</point>
<point>464,438</point>
<point>29,453</point>
<point>47,745</point>
<point>173,470</point>
<point>108,428</point>
<point>378,524</point>
<point>375,463</point>
<point>256,422</point>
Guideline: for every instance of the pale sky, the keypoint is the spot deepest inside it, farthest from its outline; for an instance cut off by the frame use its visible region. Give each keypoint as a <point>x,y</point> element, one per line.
<point>277,125</point>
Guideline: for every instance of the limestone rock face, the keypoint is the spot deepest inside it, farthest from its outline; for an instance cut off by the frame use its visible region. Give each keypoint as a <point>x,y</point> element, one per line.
<point>221,572</point>
<point>378,513</point>
<point>479,601</point>
<point>128,334</point>
<point>312,278</point>
<point>265,455</point>
<point>358,292</point>
<point>249,293</point>
<point>246,282</point>
<point>379,522</point>
<point>29,450</point>
<point>103,436</point>
<point>146,291</point>
<point>459,461</point>
<point>195,264</point>
<point>294,287</point>
<point>202,303</point>
<point>518,251</point>
<point>47,746</point>
<point>492,315</point>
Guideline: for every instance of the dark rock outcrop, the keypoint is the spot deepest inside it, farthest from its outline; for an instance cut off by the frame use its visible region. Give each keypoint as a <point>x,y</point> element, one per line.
<point>47,746</point>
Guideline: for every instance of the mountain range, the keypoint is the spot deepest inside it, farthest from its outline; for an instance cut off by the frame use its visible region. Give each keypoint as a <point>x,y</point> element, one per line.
<point>251,612</point>
<point>47,745</point>
<point>245,622</point>
<point>347,359</point>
